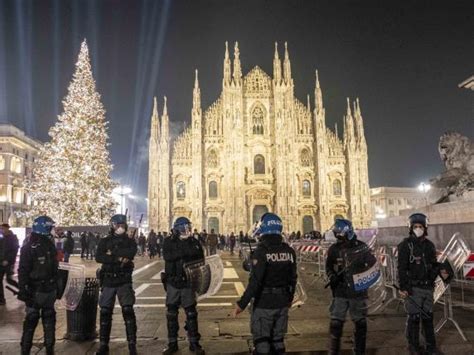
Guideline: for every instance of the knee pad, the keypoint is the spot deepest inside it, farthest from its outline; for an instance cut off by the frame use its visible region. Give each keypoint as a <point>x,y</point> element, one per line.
<point>32,317</point>
<point>361,324</point>
<point>172,312</point>
<point>106,313</point>
<point>191,312</point>
<point>335,327</point>
<point>128,312</point>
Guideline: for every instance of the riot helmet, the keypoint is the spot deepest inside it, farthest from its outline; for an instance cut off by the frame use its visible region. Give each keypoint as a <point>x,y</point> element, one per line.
<point>418,218</point>
<point>43,225</point>
<point>118,224</point>
<point>269,224</point>
<point>182,227</point>
<point>343,229</point>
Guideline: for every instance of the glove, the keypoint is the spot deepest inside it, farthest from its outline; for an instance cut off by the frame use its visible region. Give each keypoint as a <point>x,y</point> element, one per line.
<point>26,296</point>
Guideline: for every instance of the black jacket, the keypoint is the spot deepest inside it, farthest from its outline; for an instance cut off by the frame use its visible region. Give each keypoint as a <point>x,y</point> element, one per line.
<point>109,251</point>
<point>38,269</point>
<point>339,268</point>
<point>69,245</point>
<point>417,263</point>
<point>11,247</point>
<point>273,276</point>
<point>176,253</point>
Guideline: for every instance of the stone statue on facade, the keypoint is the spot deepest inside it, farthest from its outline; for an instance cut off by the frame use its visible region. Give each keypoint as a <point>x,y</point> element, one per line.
<point>457,181</point>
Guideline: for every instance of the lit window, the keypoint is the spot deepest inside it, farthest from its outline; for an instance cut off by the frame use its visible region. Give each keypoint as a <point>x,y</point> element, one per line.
<point>180,190</point>
<point>2,162</point>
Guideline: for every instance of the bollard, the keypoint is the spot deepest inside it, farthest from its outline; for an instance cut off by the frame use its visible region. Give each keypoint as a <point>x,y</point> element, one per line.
<point>81,323</point>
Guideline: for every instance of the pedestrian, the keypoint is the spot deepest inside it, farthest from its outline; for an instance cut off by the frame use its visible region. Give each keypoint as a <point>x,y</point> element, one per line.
<point>11,251</point>
<point>68,246</point>
<point>84,247</point>
<point>345,298</point>
<point>141,244</point>
<point>37,275</point>
<point>3,267</point>
<point>221,242</point>
<point>203,240</point>
<point>92,245</point>
<point>181,248</point>
<point>159,243</point>
<point>272,285</point>
<point>232,241</point>
<point>116,252</point>
<point>418,269</point>
<point>151,240</point>
<point>212,241</point>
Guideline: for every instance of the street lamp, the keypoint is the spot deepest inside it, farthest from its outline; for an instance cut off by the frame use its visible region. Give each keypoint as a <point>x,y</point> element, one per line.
<point>423,187</point>
<point>122,191</point>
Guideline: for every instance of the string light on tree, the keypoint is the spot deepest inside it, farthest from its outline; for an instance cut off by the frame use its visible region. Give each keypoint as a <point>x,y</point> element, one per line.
<point>71,181</point>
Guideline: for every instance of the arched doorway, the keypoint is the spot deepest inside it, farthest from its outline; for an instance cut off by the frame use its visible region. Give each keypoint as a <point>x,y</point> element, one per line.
<point>308,225</point>
<point>258,212</point>
<point>213,223</point>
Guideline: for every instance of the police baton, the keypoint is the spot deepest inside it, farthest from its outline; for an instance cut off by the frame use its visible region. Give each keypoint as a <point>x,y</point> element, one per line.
<point>414,303</point>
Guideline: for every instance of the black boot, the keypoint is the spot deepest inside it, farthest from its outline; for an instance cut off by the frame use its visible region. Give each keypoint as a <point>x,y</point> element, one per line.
<point>360,335</point>
<point>192,327</point>
<point>105,328</point>
<point>29,326</point>
<point>49,328</point>
<point>429,334</point>
<point>130,328</point>
<point>171,349</point>
<point>413,334</point>
<point>196,348</point>
<point>335,333</point>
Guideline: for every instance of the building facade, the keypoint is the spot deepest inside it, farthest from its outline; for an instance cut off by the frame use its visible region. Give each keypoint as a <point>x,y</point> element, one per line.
<point>389,201</point>
<point>17,158</point>
<point>258,148</point>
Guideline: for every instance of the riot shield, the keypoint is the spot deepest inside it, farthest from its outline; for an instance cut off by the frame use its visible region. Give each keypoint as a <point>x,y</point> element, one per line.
<point>71,282</point>
<point>205,276</point>
<point>362,270</point>
<point>454,256</point>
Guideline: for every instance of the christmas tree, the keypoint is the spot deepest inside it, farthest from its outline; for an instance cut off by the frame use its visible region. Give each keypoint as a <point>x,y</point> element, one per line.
<point>71,181</point>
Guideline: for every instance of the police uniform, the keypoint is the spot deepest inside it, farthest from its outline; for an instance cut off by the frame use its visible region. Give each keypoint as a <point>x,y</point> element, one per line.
<point>345,298</point>
<point>116,280</point>
<point>272,285</point>
<point>177,252</point>
<point>418,269</point>
<point>37,275</point>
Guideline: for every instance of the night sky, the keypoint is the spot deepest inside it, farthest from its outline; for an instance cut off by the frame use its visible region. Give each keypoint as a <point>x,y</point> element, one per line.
<point>403,59</point>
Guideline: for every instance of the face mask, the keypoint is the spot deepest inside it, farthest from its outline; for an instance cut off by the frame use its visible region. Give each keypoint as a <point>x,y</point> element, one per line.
<point>419,232</point>
<point>120,231</point>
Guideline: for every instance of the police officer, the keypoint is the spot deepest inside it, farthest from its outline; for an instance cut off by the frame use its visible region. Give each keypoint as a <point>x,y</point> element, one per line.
<point>37,274</point>
<point>272,285</point>
<point>417,270</point>
<point>345,298</point>
<point>116,252</point>
<point>181,248</point>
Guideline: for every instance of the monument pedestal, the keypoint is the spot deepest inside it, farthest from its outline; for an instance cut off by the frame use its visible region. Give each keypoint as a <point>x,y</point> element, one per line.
<point>445,219</point>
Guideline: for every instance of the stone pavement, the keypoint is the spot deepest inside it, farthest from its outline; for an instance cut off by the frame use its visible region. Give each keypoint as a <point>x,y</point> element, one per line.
<point>222,334</point>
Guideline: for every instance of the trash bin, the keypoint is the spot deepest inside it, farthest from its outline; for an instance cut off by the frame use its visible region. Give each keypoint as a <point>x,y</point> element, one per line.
<point>81,323</point>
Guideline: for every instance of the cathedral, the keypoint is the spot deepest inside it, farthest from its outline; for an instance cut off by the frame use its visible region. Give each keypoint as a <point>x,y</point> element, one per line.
<point>258,148</point>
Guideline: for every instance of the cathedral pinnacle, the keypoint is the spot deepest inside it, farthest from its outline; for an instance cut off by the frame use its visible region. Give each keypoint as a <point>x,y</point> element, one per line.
<point>318,95</point>
<point>196,93</point>
<point>287,65</point>
<point>155,124</point>
<point>308,105</point>
<point>165,107</point>
<point>276,66</point>
<point>317,79</point>
<point>237,67</point>
<point>227,69</point>
<point>349,107</point>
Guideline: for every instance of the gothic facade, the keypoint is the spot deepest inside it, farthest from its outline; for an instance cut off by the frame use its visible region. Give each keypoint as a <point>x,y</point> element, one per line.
<point>258,148</point>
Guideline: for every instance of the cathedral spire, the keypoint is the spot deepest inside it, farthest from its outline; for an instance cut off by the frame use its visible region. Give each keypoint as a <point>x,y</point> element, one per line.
<point>335,130</point>
<point>165,122</point>
<point>359,122</point>
<point>227,70</point>
<point>155,123</point>
<point>276,66</point>
<point>196,93</point>
<point>349,135</point>
<point>318,95</point>
<point>287,66</point>
<point>308,104</point>
<point>237,67</point>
